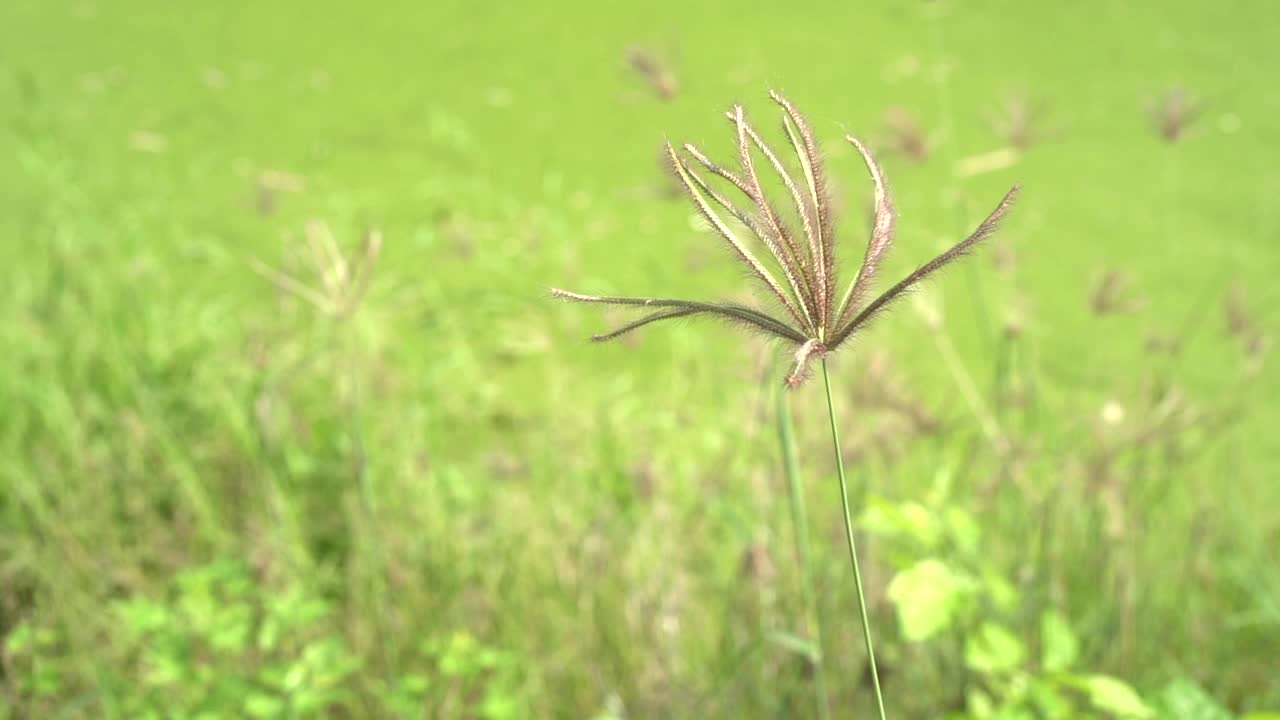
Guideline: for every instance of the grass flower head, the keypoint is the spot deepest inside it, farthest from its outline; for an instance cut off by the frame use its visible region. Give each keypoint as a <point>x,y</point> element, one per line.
<point>812,316</point>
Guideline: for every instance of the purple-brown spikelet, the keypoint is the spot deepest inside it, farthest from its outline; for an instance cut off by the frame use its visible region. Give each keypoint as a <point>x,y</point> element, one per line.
<point>814,322</point>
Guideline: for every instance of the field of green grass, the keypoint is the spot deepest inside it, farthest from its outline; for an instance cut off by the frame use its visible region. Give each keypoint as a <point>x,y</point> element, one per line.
<point>291,428</point>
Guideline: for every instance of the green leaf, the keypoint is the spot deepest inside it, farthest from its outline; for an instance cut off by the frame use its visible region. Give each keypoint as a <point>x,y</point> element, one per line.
<point>164,669</point>
<point>1262,716</point>
<point>20,638</point>
<point>1000,591</point>
<point>911,520</point>
<point>1059,648</point>
<point>490,659</point>
<point>1051,703</point>
<point>500,706</point>
<point>1113,696</point>
<point>980,704</point>
<point>458,659</point>
<point>993,649</point>
<point>964,530</point>
<point>232,631</point>
<point>927,595</point>
<point>142,616</point>
<point>260,705</point>
<point>295,677</point>
<point>269,634</point>
<point>1185,700</point>
<point>46,680</point>
<point>414,684</point>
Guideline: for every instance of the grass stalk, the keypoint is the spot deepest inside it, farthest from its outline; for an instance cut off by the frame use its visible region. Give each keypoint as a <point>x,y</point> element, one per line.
<point>800,525</point>
<point>853,551</point>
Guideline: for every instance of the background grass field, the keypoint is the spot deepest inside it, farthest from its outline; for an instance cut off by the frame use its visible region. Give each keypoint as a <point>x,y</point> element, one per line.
<point>217,500</point>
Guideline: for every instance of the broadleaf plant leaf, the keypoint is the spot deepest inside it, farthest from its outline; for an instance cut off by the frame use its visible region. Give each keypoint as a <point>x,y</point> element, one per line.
<point>994,649</point>
<point>927,596</point>
<point>1059,648</point>
<point>1113,696</point>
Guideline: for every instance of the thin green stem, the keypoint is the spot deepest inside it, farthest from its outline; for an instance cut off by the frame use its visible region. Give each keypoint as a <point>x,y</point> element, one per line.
<point>853,552</point>
<point>800,525</point>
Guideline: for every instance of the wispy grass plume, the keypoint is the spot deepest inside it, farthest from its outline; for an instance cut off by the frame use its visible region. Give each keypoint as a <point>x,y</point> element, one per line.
<point>811,319</point>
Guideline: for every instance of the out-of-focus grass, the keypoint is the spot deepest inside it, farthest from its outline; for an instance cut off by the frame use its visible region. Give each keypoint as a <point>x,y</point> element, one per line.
<point>454,462</point>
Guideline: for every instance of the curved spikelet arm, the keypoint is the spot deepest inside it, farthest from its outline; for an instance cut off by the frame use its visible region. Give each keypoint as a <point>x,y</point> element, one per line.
<point>738,213</point>
<point>811,161</point>
<point>796,281</point>
<point>717,170</point>
<point>815,236</point>
<point>637,324</point>
<point>881,234</point>
<point>796,275</point>
<point>686,177</point>
<point>814,282</point>
<point>982,232</point>
<point>729,311</point>
<point>780,242</point>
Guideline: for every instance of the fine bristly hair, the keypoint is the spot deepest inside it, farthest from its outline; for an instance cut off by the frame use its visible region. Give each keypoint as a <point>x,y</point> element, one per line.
<point>812,320</point>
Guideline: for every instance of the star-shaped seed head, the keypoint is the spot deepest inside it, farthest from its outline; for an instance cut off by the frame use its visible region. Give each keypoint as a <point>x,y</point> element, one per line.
<point>800,245</point>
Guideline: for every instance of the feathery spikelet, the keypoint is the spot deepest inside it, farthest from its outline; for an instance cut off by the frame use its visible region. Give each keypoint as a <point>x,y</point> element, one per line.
<point>814,323</point>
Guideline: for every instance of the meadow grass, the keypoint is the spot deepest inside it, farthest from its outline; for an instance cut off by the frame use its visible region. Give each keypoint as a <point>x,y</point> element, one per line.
<point>442,505</point>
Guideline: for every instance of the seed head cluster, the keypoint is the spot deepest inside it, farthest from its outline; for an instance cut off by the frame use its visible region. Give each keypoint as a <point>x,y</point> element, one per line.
<point>812,317</point>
